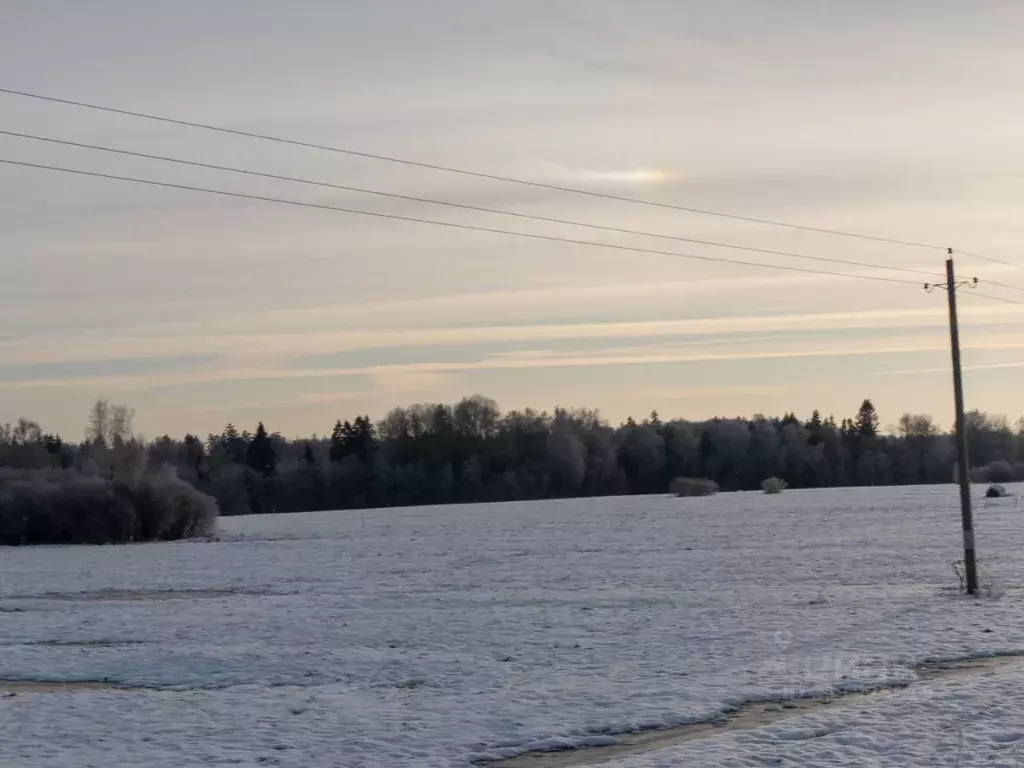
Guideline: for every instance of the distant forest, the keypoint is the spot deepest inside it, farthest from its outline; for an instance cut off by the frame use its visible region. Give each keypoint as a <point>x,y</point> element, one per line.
<point>472,452</point>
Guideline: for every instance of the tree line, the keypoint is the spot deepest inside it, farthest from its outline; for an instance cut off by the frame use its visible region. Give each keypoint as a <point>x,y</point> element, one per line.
<point>471,451</point>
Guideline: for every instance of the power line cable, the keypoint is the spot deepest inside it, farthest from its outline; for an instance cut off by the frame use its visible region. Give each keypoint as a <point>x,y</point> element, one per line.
<point>449,224</point>
<point>479,209</point>
<point>1007,286</point>
<point>993,298</point>
<point>996,283</point>
<point>465,172</point>
<point>993,260</point>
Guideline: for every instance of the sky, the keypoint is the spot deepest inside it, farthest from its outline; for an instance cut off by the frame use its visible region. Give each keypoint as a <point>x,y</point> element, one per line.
<point>900,120</point>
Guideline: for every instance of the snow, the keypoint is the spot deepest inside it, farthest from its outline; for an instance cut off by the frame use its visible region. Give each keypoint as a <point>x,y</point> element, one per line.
<point>980,722</point>
<point>432,636</point>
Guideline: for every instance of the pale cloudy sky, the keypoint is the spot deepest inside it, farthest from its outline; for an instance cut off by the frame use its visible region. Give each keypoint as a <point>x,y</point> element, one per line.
<point>897,119</point>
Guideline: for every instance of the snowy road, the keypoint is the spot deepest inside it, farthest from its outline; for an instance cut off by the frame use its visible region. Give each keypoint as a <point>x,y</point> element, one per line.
<point>427,637</point>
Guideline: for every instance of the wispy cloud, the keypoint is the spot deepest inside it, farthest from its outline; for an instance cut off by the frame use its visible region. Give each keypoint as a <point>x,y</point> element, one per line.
<point>629,176</point>
<point>949,370</point>
<point>196,359</point>
<point>537,359</point>
<point>268,344</point>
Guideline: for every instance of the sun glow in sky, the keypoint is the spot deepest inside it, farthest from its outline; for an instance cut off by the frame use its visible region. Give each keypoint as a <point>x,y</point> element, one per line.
<point>637,176</point>
<point>901,120</point>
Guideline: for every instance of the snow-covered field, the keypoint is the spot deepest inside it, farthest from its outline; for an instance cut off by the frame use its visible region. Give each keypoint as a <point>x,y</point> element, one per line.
<point>433,636</point>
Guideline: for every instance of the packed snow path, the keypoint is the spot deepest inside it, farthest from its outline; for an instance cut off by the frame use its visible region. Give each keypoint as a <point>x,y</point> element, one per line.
<point>433,636</point>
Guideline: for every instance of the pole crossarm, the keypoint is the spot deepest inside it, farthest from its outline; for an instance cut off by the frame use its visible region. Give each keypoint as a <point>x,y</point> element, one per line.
<point>971,282</point>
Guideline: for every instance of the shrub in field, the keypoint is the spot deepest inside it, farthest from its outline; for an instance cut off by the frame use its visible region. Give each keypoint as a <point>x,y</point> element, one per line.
<point>72,508</point>
<point>999,472</point>
<point>693,486</point>
<point>773,485</point>
<point>42,510</point>
<point>167,508</point>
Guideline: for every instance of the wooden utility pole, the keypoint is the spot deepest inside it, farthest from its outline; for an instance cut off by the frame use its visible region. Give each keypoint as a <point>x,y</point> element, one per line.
<point>962,464</point>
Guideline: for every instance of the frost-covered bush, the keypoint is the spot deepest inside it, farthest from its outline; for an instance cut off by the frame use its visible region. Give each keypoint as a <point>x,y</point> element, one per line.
<point>773,485</point>
<point>693,486</point>
<point>999,472</point>
<point>167,508</point>
<point>72,508</point>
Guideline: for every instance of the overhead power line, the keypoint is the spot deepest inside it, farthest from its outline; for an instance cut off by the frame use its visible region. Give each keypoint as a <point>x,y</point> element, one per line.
<point>993,298</point>
<point>1007,286</point>
<point>462,206</point>
<point>465,172</point>
<point>449,224</point>
<point>994,261</point>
